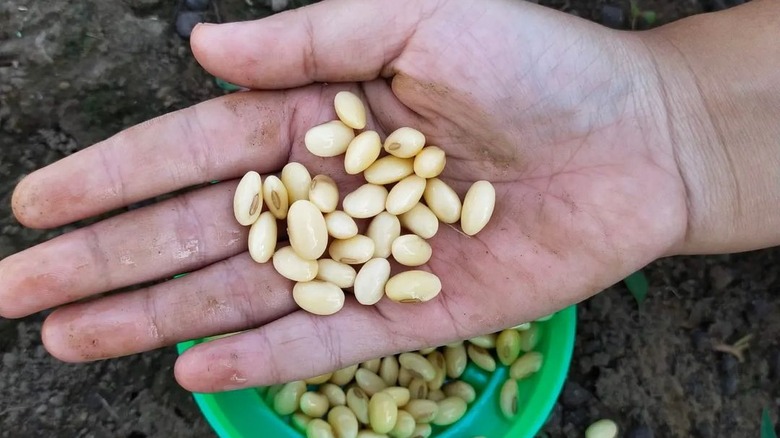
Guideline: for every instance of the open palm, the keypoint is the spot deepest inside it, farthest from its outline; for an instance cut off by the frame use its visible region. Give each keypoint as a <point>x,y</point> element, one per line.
<point>545,106</point>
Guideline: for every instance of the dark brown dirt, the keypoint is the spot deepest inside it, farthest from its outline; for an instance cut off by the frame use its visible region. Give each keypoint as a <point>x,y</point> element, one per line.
<point>73,73</point>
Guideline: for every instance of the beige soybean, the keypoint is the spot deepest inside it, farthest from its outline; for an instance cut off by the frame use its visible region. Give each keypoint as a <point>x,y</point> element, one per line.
<point>369,381</point>
<point>318,297</point>
<point>328,139</point>
<point>418,365</point>
<point>451,409</point>
<point>340,274</point>
<point>544,318</point>
<point>353,251</point>
<point>404,377</point>
<point>248,198</point>
<point>427,351</point>
<point>344,375</point>
<point>485,341</point>
<point>275,196</point>
<point>319,428</point>
<point>350,109</point>
<point>300,420</point>
<point>522,327</point>
<point>436,395</point>
<point>400,394</point>
<point>423,430</point>
<point>527,364</point>
<point>366,201</point>
<point>383,229</point>
<point>296,179</point>
<point>442,200</point>
<point>344,422</point>
<point>388,170</point>
<point>423,411</point>
<point>270,395</point>
<point>436,359</point>
<point>340,225</point>
<point>262,238</point>
<point>306,230</point>
<point>404,142</point>
<point>404,425</point>
<point>421,221</point>
<point>357,400</point>
<point>604,428</point>
<point>291,266</point>
<point>508,346</point>
<point>370,281</point>
<point>430,162</point>
<point>382,412</point>
<point>413,286</point>
<point>372,365</point>
<point>362,151</point>
<point>324,193</point>
<point>388,369</point>
<point>529,339</point>
<point>459,388</point>
<point>314,404</point>
<point>418,388</point>
<point>478,205</point>
<point>334,393</point>
<point>455,344</point>
<point>287,400</point>
<point>508,398</point>
<point>481,358</point>
<point>456,359</point>
<point>411,250</point>
<point>318,380</point>
<point>405,194</point>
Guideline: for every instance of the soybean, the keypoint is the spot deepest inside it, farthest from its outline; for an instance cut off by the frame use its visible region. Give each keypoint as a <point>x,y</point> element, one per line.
<point>292,266</point>
<point>344,375</point>
<point>288,398</point>
<point>340,225</point>
<point>366,201</point>
<point>370,281</point>
<point>328,139</point>
<point>404,425</point>
<point>508,398</point>
<point>421,221</point>
<point>405,194</point>
<point>383,229</point>
<point>388,170</point>
<point>369,382</point>
<point>388,369</point>
<point>411,250</point>
<point>357,400</point>
<point>362,152</point>
<point>372,365</point>
<point>418,365</point>
<point>404,142</point>
<point>344,422</point>
<point>442,200</point>
<point>481,358</point>
<point>318,297</point>
<point>423,411</point>
<point>306,230</point>
<point>248,198</point>
<point>604,428</point>
<point>527,364</point>
<point>262,238</point>
<point>334,393</point>
<point>353,251</point>
<point>382,412</point>
<point>296,179</point>
<point>340,274</point>
<point>313,404</point>
<point>319,428</point>
<point>414,286</point>
<point>350,109</point>
<point>275,197</point>
<point>456,359</point>
<point>485,341</point>
<point>422,430</point>
<point>459,388</point>
<point>400,394</point>
<point>451,409</point>
<point>508,346</point>
<point>430,162</point>
<point>324,193</point>
<point>478,205</point>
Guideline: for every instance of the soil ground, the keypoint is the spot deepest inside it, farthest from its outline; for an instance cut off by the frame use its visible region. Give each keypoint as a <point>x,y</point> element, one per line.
<point>73,73</point>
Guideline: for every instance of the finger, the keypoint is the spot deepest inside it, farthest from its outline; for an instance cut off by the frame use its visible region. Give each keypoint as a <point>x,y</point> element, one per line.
<point>333,41</point>
<point>177,235</point>
<point>302,345</point>
<point>215,140</point>
<point>228,296</point>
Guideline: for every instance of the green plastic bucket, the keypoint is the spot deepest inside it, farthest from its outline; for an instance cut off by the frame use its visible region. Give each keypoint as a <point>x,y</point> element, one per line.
<point>244,413</point>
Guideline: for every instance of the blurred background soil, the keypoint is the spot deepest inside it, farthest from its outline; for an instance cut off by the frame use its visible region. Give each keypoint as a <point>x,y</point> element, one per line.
<point>73,73</point>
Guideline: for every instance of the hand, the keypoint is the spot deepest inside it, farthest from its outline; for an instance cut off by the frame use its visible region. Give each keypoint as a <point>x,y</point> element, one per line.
<point>550,108</point>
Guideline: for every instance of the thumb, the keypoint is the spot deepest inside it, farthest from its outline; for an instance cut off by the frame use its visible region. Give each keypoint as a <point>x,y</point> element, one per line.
<point>329,41</point>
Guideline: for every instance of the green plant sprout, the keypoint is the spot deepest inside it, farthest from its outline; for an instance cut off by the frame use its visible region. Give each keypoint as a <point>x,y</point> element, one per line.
<point>637,284</point>
<point>767,428</point>
<point>649,17</point>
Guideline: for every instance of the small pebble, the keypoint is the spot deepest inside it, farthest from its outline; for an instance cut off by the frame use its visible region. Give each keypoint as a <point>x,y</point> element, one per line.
<point>575,395</point>
<point>10,360</point>
<point>186,21</point>
<point>613,16</point>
